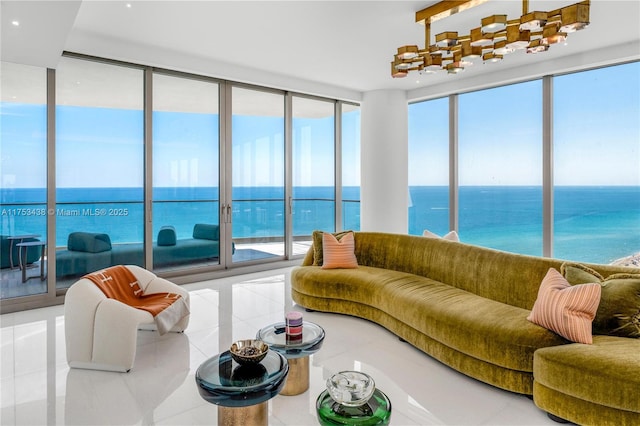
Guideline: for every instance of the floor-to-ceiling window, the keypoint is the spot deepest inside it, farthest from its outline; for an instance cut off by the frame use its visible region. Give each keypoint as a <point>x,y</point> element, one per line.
<point>500,167</point>
<point>313,150</point>
<point>593,158</point>
<point>23,179</point>
<point>257,158</point>
<point>350,166</point>
<point>142,163</point>
<point>597,164</point>
<point>429,167</point>
<point>99,167</point>
<point>186,228</point>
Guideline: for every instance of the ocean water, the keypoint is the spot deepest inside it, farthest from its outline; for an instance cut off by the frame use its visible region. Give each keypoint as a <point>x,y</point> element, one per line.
<point>591,224</point>
<point>257,212</point>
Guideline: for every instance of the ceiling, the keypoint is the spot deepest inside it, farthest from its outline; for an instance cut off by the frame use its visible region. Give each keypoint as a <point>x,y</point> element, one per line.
<point>308,45</point>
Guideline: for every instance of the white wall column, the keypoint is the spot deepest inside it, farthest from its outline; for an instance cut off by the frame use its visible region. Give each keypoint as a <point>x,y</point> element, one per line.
<point>383,150</point>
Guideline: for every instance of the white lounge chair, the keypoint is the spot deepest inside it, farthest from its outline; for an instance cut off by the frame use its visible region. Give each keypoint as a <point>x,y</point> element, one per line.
<point>101,333</point>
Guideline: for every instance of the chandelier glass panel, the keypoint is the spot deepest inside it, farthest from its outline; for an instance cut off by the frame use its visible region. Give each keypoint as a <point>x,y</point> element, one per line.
<point>496,37</point>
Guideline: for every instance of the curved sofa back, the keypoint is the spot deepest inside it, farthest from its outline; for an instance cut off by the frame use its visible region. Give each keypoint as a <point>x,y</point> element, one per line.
<point>505,277</point>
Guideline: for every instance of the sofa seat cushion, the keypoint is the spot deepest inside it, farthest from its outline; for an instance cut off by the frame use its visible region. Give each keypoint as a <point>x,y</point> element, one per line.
<point>80,263</point>
<point>593,372</point>
<point>127,254</point>
<point>186,250</point>
<point>482,328</point>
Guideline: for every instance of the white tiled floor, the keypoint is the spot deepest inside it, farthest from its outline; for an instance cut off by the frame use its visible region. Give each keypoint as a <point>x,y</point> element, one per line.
<point>37,387</point>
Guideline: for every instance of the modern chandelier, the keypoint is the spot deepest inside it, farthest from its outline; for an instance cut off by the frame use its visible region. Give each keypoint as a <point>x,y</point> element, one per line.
<point>497,36</point>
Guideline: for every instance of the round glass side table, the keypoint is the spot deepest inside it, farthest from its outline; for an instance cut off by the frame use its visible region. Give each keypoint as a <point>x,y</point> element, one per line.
<point>297,352</point>
<point>376,411</point>
<point>241,392</point>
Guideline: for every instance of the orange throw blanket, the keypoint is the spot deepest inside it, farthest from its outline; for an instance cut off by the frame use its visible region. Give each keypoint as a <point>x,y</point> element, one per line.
<point>119,283</point>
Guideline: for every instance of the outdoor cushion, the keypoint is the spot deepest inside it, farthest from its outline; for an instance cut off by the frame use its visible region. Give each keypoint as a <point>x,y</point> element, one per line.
<point>167,236</point>
<point>88,242</point>
<point>206,231</point>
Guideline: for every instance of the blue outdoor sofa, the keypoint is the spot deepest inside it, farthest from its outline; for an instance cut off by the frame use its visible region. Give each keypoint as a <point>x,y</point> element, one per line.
<point>87,252</point>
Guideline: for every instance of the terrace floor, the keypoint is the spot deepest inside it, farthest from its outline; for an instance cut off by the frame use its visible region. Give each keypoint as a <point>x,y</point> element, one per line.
<point>11,284</point>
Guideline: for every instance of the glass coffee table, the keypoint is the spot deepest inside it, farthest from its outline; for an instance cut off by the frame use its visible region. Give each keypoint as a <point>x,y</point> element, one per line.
<point>242,392</point>
<point>297,352</point>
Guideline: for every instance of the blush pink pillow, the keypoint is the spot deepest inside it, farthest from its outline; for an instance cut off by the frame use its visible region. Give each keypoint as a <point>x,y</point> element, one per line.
<point>338,254</point>
<point>565,309</point>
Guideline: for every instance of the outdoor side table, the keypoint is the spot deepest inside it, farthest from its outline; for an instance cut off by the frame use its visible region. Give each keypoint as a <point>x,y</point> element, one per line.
<point>297,353</point>
<point>22,250</point>
<point>241,392</point>
<point>12,240</point>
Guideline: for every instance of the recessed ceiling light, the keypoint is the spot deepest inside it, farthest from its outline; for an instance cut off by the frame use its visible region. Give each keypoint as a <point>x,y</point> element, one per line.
<point>129,5</point>
<point>15,23</point>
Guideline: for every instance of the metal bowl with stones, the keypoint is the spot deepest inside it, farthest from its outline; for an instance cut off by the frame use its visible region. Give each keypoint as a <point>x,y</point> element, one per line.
<point>248,351</point>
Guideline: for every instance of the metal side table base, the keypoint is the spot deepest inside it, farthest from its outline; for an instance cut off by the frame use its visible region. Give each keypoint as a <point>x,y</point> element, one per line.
<point>252,415</point>
<point>298,378</point>
<point>23,251</point>
<point>297,353</point>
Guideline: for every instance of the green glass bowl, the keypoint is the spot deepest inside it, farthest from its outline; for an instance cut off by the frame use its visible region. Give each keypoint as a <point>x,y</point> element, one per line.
<point>376,411</point>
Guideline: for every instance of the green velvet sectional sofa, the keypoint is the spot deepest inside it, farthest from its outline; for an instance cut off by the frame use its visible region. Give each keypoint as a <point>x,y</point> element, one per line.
<point>467,306</point>
<point>88,252</point>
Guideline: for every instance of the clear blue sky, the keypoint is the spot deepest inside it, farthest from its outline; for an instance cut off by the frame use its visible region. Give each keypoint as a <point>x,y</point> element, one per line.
<point>596,137</point>
<point>103,147</point>
<point>596,132</point>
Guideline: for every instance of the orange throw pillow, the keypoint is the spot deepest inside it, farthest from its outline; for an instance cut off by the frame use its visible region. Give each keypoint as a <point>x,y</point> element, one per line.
<point>565,309</point>
<point>338,254</point>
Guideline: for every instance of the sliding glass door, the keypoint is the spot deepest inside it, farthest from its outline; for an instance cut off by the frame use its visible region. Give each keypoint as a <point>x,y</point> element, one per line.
<point>107,163</point>
<point>99,168</point>
<point>186,202</point>
<point>23,180</point>
<point>257,208</point>
<point>313,151</point>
